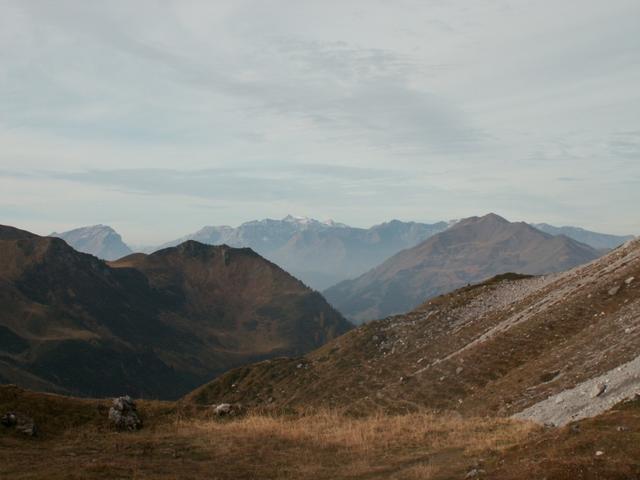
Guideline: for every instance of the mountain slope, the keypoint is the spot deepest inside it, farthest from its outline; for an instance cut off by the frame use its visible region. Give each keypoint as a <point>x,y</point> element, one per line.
<point>319,253</point>
<point>99,240</point>
<point>601,241</point>
<point>470,251</point>
<point>510,346</point>
<point>154,325</point>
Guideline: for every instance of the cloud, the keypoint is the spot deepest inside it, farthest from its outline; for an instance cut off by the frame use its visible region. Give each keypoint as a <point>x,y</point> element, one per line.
<point>230,184</point>
<point>359,110</point>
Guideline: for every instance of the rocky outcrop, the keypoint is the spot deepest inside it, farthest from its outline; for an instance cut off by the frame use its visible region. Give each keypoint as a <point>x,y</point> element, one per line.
<point>123,415</point>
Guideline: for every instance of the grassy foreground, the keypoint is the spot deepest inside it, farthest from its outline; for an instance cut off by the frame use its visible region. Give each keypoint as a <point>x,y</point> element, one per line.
<point>182,443</point>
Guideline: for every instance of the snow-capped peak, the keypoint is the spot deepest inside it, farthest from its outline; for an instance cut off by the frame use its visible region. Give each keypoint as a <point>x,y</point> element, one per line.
<point>312,222</point>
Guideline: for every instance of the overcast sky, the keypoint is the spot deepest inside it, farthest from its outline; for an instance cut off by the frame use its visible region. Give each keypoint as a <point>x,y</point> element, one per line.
<point>159,117</point>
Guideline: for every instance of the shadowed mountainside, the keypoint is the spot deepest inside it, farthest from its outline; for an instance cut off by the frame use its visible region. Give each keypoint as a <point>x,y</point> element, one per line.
<point>470,251</point>
<point>155,325</point>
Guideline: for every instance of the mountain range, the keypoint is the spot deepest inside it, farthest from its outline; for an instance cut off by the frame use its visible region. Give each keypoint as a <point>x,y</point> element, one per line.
<point>600,241</point>
<point>517,373</point>
<point>470,251</point>
<point>321,254</point>
<point>147,325</point>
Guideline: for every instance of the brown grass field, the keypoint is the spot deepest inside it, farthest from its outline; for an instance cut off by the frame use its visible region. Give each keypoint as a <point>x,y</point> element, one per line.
<point>182,441</point>
<point>75,442</point>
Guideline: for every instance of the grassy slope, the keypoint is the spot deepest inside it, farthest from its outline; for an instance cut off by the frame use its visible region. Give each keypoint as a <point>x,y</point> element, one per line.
<point>186,442</point>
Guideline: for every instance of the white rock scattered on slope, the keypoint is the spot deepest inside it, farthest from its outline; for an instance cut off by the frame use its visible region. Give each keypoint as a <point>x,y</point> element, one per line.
<point>620,383</point>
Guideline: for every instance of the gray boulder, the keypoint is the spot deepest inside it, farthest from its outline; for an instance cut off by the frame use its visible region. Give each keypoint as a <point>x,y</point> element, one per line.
<point>123,414</point>
<point>21,423</point>
<point>228,409</point>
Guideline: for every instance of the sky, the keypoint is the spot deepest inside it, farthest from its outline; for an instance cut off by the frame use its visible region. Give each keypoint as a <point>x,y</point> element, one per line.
<point>160,117</point>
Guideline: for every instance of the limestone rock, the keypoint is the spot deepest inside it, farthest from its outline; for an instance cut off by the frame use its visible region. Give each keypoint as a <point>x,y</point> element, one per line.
<point>599,389</point>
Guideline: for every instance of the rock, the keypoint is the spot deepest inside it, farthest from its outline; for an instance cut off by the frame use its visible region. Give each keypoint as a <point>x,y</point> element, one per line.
<point>27,426</point>
<point>123,414</point>
<point>459,370</point>
<point>9,419</point>
<point>228,409</point>
<point>474,473</point>
<point>599,389</point>
<point>614,290</point>
<point>629,280</point>
<point>21,423</point>
<point>223,409</point>
<point>599,453</point>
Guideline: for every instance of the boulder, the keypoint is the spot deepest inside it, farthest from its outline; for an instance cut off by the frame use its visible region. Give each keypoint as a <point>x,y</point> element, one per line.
<point>27,426</point>
<point>123,414</point>
<point>228,409</point>
<point>21,423</point>
<point>9,419</point>
<point>599,389</point>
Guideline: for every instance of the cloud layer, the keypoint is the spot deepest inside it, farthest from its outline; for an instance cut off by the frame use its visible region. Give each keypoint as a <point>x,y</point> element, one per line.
<point>161,116</point>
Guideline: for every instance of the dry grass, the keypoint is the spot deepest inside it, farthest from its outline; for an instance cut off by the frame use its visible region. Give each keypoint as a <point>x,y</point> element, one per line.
<point>318,445</point>
<point>328,444</point>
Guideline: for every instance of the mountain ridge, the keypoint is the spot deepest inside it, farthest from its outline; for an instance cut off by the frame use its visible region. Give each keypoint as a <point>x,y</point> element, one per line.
<point>149,325</point>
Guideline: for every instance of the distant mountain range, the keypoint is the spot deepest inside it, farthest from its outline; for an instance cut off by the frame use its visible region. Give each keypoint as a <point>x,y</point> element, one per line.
<point>321,254</point>
<point>601,241</point>
<point>147,325</point>
<point>99,240</point>
<point>470,251</point>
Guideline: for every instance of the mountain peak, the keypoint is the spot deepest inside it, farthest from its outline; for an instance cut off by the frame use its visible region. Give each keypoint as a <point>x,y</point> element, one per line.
<point>488,218</point>
<point>474,249</point>
<point>99,240</point>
